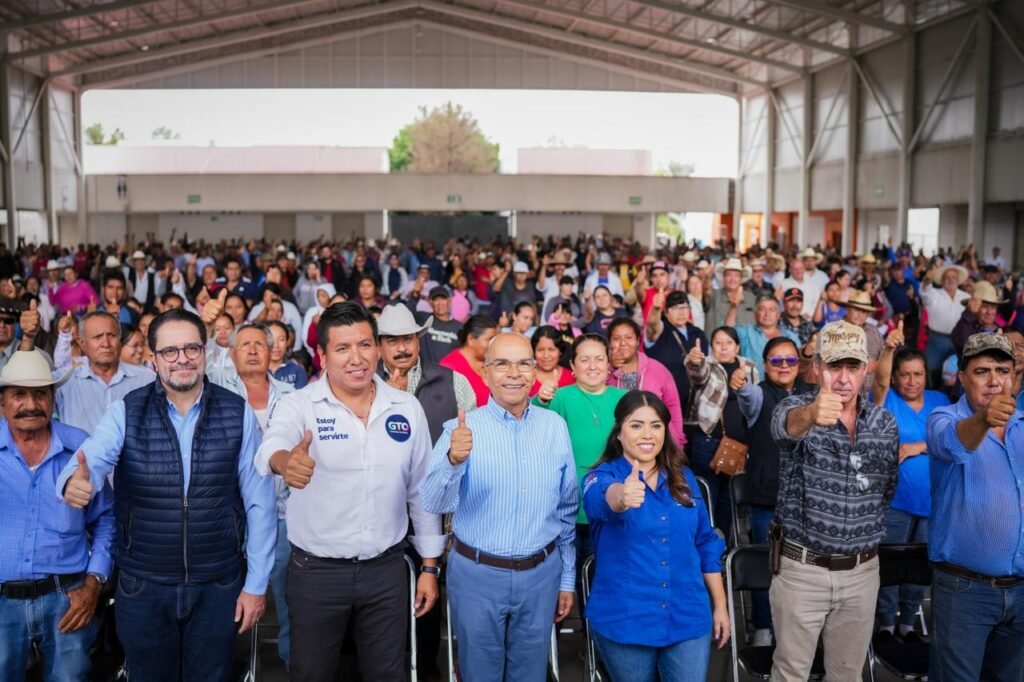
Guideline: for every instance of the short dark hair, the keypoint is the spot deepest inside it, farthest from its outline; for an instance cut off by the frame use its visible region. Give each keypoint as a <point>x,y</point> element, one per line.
<point>114,275</point>
<point>675,298</point>
<point>175,315</point>
<point>232,259</point>
<point>343,315</point>
<point>550,333</point>
<point>775,343</point>
<point>476,326</point>
<point>728,331</point>
<point>273,288</point>
<point>624,322</point>
<point>908,354</point>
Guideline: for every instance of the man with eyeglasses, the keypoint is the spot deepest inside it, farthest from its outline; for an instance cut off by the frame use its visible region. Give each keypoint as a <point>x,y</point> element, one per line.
<point>976,532</point>
<point>512,566</point>
<point>190,509</point>
<point>837,475</point>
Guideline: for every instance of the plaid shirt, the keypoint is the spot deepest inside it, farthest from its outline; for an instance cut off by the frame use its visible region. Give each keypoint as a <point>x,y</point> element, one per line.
<point>709,391</point>
<point>802,330</point>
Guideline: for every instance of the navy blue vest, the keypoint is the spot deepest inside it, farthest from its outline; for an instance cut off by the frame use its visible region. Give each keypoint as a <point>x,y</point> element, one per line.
<point>163,535</point>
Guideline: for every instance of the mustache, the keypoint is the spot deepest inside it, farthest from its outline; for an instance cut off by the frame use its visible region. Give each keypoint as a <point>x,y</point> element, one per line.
<point>403,356</point>
<point>189,365</point>
<point>28,414</point>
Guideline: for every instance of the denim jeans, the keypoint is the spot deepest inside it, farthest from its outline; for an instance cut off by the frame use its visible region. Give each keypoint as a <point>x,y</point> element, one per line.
<point>702,451</point>
<point>901,528</point>
<point>685,661</point>
<point>978,630</point>
<point>936,351</point>
<point>172,632</point>
<point>27,621</point>
<point>760,518</point>
<point>277,586</point>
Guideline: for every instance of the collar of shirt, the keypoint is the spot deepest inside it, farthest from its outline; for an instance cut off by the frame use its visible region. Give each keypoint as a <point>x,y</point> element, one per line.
<point>7,443</point>
<point>85,372</point>
<point>624,468</point>
<point>502,415</point>
<point>386,398</point>
<point>414,376</point>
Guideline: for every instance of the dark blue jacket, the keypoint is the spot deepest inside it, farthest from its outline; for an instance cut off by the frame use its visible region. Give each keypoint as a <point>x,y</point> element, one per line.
<point>162,534</point>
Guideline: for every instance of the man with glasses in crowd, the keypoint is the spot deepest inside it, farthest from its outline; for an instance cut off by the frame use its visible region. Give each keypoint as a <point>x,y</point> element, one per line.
<point>190,509</point>
<point>976,534</point>
<point>512,567</point>
<point>838,471</point>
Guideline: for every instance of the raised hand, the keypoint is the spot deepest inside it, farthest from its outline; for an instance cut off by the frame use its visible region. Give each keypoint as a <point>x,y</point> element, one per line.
<point>66,325</point>
<point>462,441</point>
<point>739,377</point>
<point>78,490</point>
<point>634,489</point>
<point>895,338</point>
<point>1001,408</point>
<point>547,391</point>
<point>213,308</point>
<point>29,320</point>
<point>827,405</point>
<point>696,356</point>
<point>298,471</point>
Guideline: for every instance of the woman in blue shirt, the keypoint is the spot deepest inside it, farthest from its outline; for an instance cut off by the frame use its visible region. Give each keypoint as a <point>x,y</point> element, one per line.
<point>905,396</point>
<point>658,558</point>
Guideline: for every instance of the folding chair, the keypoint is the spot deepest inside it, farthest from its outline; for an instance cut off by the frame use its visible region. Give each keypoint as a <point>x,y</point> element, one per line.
<point>593,673</point>
<point>899,565</point>
<point>413,675</point>
<point>746,569</point>
<point>740,505</point>
<point>705,492</point>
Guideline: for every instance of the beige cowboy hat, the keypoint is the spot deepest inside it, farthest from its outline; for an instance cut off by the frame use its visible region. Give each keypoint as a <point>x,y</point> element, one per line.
<point>732,264</point>
<point>561,257</point>
<point>809,252</point>
<point>780,260</point>
<point>868,259</point>
<point>961,274</point>
<point>30,369</point>
<point>861,300</point>
<point>691,257</point>
<point>986,293</point>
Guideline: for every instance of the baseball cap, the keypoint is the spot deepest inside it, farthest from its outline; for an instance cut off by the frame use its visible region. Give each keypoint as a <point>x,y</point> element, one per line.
<point>520,266</point>
<point>985,342</point>
<point>659,265</point>
<point>793,292</point>
<point>842,341</point>
<point>440,291</point>
<point>604,259</point>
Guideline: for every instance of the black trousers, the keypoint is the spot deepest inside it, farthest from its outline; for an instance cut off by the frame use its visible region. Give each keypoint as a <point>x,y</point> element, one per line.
<point>328,597</point>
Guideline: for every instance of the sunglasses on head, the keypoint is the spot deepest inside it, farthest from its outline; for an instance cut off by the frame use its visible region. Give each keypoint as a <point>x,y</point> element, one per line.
<point>788,361</point>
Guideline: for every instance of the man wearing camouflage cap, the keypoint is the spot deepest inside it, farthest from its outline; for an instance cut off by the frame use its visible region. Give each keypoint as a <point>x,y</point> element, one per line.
<point>976,533</point>
<point>837,474</point>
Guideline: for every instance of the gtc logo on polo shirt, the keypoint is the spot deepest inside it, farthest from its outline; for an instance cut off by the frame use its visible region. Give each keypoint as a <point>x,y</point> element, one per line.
<point>398,428</point>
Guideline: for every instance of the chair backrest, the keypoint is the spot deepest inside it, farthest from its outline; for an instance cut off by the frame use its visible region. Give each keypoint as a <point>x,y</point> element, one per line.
<point>705,493</point>
<point>903,564</point>
<point>738,489</point>
<point>748,568</point>
<point>589,569</point>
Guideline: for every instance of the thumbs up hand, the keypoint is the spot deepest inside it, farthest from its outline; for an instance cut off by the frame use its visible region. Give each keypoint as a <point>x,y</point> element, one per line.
<point>66,325</point>
<point>695,357</point>
<point>827,405</point>
<point>78,490</point>
<point>895,339</point>
<point>213,309</point>
<point>659,302</point>
<point>739,377</point>
<point>547,391</point>
<point>29,320</point>
<point>1001,408</point>
<point>634,489</point>
<point>462,441</point>
<point>298,471</point>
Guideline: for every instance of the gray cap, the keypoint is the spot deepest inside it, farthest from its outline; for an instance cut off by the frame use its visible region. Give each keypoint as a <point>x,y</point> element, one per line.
<point>604,259</point>
<point>985,342</point>
<point>842,341</point>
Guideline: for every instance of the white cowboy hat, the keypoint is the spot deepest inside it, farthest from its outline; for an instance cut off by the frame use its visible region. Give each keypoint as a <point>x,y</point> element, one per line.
<point>111,263</point>
<point>397,320</point>
<point>809,252</point>
<point>961,274</point>
<point>732,264</point>
<point>138,255</point>
<point>30,369</point>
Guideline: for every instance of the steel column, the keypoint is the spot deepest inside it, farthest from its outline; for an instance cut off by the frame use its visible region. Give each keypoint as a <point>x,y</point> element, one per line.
<point>979,139</point>
<point>850,164</point>
<point>83,214</point>
<point>46,128</point>
<point>769,171</point>
<point>805,161</point>
<point>907,124</point>
<point>6,139</point>
<point>737,193</point>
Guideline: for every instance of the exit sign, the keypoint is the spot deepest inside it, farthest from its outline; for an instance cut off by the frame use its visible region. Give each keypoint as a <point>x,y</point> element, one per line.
<point>194,198</point>
<point>454,199</point>
<point>636,201</point>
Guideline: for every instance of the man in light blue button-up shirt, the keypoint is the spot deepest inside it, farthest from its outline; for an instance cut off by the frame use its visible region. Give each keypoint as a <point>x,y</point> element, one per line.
<point>93,386</point>
<point>507,472</point>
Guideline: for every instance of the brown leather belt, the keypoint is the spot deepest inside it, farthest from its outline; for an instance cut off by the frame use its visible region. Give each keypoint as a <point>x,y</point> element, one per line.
<point>833,562</point>
<point>1000,582</point>
<point>518,564</point>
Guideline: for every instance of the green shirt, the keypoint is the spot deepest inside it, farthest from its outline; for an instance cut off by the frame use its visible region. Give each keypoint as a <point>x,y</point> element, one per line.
<point>590,418</point>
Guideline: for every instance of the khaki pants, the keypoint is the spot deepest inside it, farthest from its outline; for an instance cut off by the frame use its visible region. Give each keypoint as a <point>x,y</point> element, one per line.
<point>808,601</point>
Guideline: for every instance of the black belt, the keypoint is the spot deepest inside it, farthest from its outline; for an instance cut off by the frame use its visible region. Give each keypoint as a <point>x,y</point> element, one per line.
<point>519,564</point>
<point>32,589</point>
<point>1000,582</point>
<point>833,562</point>
<point>349,560</point>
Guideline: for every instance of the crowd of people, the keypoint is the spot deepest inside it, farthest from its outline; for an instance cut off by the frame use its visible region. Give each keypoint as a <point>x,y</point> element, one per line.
<point>204,423</point>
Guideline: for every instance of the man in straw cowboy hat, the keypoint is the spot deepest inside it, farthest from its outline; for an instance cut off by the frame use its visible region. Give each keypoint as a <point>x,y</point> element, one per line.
<point>732,304</point>
<point>859,310</point>
<point>979,315</point>
<point>55,559</point>
<point>942,302</point>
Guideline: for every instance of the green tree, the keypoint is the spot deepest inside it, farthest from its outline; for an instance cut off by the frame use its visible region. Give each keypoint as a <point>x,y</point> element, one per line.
<point>446,139</point>
<point>165,133</point>
<point>94,135</point>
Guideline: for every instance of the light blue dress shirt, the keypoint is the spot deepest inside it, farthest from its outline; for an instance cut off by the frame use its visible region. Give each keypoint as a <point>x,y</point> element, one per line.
<point>517,491</point>
<point>41,535</point>
<point>977,495</point>
<point>753,341</point>
<point>84,399</point>
<point>103,450</point>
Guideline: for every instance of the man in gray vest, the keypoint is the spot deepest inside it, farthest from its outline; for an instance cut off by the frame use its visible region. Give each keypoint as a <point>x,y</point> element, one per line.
<point>442,393</point>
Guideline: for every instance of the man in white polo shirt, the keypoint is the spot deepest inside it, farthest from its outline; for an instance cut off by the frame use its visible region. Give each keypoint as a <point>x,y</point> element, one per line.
<point>353,450</point>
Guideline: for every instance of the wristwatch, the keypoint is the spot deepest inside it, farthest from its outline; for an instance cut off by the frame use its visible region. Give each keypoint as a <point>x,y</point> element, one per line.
<point>432,570</point>
<point>101,579</point>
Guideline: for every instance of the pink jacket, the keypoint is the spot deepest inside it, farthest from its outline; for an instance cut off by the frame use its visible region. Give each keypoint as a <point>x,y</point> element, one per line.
<point>655,377</point>
<point>74,297</point>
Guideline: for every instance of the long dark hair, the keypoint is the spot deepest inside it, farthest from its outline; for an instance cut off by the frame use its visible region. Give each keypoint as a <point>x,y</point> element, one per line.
<point>671,460</point>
